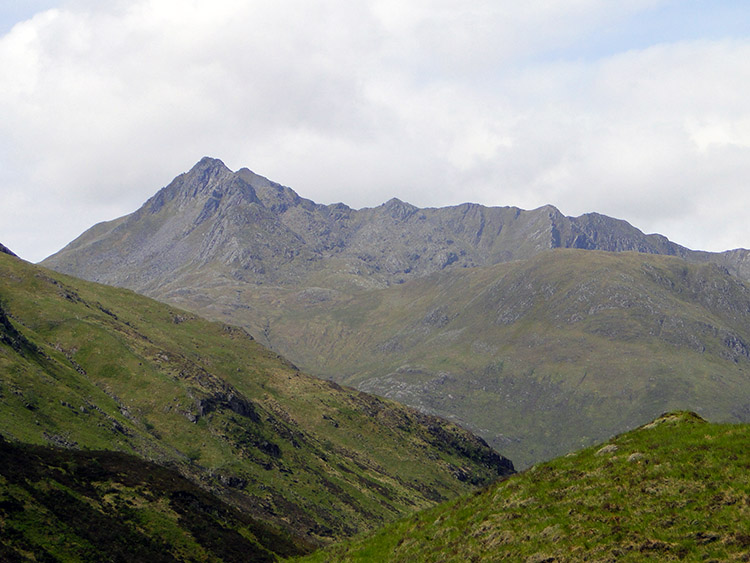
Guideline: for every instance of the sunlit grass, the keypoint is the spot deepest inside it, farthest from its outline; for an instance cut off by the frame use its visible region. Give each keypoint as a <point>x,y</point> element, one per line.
<point>86,366</point>
<point>678,489</point>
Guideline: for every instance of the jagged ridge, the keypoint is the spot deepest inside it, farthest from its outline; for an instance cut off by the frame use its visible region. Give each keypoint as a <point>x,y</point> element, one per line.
<point>248,228</point>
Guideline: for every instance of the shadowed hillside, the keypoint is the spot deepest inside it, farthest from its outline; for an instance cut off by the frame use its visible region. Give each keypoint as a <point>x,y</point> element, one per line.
<point>63,504</point>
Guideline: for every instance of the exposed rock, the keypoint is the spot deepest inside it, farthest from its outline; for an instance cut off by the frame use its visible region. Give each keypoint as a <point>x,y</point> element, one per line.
<point>60,441</point>
<point>231,401</point>
<point>11,336</point>
<point>258,231</point>
<point>608,449</point>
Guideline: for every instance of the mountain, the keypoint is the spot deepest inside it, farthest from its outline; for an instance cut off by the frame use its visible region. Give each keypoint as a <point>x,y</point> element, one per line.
<point>540,332</point>
<point>674,489</point>
<point>241,227</point>
<point>90,367</point>
<point>543,356</point>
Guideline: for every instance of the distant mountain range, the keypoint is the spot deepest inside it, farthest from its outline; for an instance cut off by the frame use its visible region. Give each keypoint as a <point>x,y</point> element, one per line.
<point>542,333</point>
<point>241,226</point>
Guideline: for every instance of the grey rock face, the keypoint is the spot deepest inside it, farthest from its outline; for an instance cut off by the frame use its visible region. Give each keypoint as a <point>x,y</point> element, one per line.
<point>245,227</point>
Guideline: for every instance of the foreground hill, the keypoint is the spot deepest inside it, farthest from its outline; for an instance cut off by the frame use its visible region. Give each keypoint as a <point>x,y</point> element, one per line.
<point>86,366</point>
<point>675,489</point>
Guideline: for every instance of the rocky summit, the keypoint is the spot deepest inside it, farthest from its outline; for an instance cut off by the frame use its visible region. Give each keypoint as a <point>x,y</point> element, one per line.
<point>245,227</point>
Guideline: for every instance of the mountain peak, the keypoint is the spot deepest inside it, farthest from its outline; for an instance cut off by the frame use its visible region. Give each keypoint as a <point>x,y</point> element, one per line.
<point>208,179</point>
<point>205,173</point>
<point>399,209</point>
<point>262,231</point>
<point>208,162</point>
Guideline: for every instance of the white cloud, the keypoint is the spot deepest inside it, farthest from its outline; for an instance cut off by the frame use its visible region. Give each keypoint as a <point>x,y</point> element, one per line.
<point>433,102</point>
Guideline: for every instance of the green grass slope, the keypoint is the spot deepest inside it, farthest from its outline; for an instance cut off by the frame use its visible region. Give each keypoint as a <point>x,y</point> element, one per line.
<point>675,489</point>
<point>73,505</point>
<point>86,366</point>
<point>540,357</point>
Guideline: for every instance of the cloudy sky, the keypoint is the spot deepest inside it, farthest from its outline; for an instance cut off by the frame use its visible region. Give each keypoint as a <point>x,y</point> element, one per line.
<point>638,109</point>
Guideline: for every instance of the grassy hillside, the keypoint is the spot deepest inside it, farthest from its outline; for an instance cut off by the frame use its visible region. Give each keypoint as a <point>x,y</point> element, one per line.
<point>73,505</point>
<point>674,489</point>
<point>540,357</point>
<point>86,366</point>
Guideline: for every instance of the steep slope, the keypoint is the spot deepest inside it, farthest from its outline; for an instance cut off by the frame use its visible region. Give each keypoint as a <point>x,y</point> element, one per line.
<point>89,366</point>
<point>542,356</point>
<point>73,505</point>
<point>675,489</point>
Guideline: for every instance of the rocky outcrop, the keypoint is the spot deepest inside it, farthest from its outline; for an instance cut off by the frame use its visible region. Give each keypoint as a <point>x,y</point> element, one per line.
<point>12,337</point>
